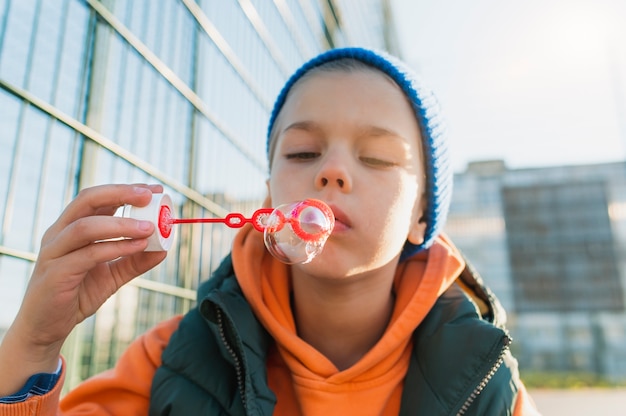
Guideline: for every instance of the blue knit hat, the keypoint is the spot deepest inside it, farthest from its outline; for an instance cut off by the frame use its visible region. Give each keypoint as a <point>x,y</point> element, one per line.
<point>435,144</point>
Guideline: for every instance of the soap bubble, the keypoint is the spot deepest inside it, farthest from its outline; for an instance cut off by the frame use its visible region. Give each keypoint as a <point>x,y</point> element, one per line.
<point>297,232</point>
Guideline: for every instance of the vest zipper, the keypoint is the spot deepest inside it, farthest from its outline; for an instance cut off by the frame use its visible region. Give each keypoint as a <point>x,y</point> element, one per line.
<point>483,383</point>
<point>237,361</point>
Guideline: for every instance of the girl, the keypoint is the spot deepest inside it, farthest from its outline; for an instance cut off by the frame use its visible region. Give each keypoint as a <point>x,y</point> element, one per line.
<point>387,320</point>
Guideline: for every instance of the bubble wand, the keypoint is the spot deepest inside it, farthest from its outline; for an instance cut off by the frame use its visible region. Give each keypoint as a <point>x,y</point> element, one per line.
<point>293,233</point>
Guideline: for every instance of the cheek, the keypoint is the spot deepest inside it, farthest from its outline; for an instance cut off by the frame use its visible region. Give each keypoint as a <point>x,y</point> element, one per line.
<point>388,233</point>
<point>284,187</point>
<point>398,203</point>
<point>274,188</point>
<point>404,206</point>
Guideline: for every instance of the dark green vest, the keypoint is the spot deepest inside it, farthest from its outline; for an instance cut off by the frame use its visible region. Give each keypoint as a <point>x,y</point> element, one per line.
<point>214,363</point>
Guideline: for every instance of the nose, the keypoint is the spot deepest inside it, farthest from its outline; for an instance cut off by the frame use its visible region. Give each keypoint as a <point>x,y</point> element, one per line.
<point>334,173</point>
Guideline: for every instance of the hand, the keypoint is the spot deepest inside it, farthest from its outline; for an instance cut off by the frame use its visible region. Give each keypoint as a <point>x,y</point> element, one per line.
<point>76,272</point>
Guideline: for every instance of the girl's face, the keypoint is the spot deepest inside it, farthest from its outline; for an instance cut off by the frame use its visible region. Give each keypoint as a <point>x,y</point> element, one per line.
<point>351,139</point>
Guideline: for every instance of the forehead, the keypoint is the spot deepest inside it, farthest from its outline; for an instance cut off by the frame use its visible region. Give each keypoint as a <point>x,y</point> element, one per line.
<point>344,66</point>
<point>346,96</point>
<point>348,85</point>
<point>348,102</point>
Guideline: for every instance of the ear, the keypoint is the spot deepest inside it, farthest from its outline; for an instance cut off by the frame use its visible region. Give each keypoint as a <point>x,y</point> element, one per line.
<point>418,228</point>
<point>417,232</point>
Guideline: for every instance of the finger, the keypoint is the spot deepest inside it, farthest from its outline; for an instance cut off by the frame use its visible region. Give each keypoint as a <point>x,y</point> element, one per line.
<point>96,275</point>
<point>102,200</point>
<point>104,197</point>
<point>138,263</point>
<point>95,229</point>
<point>155,189</point>
<point>90,259</point>
<point>97,287</point>
<point>126,268</point>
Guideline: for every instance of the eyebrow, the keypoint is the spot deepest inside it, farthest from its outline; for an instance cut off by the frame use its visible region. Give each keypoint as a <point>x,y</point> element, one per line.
<point>364,131</point>
<point>303,125</point>
<point>376,131</point>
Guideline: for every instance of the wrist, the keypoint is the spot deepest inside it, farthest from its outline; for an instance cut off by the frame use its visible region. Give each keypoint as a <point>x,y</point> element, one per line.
<point>37,385</point>
<point>20,359</point>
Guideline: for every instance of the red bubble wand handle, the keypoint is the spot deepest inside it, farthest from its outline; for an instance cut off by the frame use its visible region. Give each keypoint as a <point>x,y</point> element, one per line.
<point>293,233</point>
<point>260,220</point>
<point>232,220</point>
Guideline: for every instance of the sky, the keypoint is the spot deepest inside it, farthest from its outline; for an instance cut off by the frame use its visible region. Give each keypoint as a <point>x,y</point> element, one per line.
<point>534,82</point>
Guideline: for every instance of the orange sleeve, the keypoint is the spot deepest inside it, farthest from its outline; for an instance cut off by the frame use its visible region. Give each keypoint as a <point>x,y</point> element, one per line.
<point>524,405</point>
<point>124,389</point>
<point>46,404</point>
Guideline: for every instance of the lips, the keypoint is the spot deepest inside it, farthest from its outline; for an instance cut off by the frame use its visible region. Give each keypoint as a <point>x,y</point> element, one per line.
<point>342,222</point>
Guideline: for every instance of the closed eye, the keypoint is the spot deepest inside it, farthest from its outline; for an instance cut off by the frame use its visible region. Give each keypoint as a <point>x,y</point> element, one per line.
<point>302,155</point>
<point>372,161</point>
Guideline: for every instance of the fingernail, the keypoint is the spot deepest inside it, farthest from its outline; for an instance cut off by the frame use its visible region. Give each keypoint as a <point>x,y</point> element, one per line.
<point>140,190</point>
<point>144,225</point>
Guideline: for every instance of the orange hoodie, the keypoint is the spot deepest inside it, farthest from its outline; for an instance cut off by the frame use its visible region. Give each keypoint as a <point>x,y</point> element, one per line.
<point>304,381</point>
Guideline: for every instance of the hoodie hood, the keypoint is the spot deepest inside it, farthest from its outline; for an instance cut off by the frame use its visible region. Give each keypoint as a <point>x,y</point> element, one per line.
<point>375,381</point>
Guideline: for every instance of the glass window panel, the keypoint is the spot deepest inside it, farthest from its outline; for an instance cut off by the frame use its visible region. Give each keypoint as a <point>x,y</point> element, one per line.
<point>315,14</point>
<point>166,30</point>
<point>122,10</point>
<point>312,36</point>
<point>9,117</point>
<point>155,119</point>
<point>14,274</point>
<point>143,120</point>
<point>223,170</point>
<point>16,42</point>
<point>72,60</point>
<point>105,97</point>
<point>176,131</point>
<point>129,102</point>
<point>153,17</point>
<point>27,173</point>
<point>4,11</point>
<point>279,31</point>
<point>46,49</point>
<point>58,178</point>
<point>226,95</point>
<point>102,163</point>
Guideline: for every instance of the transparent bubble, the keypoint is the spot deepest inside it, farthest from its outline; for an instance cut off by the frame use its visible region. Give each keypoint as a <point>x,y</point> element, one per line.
<point>297,232</point>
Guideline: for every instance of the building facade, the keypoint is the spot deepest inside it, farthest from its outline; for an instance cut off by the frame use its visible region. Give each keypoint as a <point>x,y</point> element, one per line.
<point>176,92</point>
<point>551,242</point>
